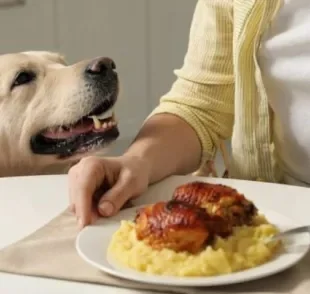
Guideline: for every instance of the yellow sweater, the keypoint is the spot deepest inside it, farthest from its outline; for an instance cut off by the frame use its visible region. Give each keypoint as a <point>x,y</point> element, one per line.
<point>219,89</point>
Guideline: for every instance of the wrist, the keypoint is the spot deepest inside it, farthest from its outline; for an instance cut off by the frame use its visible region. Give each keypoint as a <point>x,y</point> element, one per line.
<point>141,159</point>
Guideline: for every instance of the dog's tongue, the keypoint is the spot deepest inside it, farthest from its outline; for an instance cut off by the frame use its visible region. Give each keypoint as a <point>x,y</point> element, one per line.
<point>79,128</point>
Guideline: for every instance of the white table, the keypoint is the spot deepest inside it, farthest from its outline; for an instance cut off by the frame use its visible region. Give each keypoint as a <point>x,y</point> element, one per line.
<point>27,203</point>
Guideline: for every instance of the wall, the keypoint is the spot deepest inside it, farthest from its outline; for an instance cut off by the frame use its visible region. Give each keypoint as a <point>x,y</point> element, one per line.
<point>147,39</point>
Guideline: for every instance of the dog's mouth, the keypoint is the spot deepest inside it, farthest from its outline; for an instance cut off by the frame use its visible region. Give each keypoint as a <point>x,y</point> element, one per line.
<point>91,132</point>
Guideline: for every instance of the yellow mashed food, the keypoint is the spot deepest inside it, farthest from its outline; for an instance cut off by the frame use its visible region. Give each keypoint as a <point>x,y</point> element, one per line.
<point>244,249</point>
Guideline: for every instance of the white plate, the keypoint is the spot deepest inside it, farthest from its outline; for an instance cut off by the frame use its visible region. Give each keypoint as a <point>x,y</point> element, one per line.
<point>92,243</point>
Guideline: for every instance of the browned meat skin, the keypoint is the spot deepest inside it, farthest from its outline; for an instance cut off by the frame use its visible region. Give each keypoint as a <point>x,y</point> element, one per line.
<point>178,226</point>
<point>219,200</point>
<point>197,213</point>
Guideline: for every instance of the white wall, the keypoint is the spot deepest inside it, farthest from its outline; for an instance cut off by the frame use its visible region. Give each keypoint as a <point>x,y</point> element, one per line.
<point>147,39</point>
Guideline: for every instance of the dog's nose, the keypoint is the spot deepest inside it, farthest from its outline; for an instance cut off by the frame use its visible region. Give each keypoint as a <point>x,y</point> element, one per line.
<point>100,66</point>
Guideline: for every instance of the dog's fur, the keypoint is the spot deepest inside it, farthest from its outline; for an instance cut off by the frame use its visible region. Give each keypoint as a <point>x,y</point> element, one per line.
<point>60,95</point>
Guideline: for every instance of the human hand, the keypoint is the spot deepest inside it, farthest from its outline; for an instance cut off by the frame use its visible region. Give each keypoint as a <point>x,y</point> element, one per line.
<point>126,177</point>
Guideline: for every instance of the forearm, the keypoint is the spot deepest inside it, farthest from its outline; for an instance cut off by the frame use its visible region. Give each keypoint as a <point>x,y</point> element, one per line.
<point>203,95</point>
<point>168,145</point>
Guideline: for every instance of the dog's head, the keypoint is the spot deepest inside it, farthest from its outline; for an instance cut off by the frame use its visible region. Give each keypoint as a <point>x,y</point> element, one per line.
<point>51,112</point>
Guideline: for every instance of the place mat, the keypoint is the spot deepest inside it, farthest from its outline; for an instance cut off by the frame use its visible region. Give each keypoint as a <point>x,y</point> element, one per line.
<point>50,253</point>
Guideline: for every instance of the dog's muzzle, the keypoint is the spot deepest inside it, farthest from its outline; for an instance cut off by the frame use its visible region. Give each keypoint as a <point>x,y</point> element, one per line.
<point>94,129</point>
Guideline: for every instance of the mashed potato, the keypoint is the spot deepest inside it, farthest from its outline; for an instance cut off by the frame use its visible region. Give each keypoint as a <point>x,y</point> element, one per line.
<point>242,250</point>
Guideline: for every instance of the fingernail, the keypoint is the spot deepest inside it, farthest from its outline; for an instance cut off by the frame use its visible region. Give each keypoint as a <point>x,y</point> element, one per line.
<point>106,208</point>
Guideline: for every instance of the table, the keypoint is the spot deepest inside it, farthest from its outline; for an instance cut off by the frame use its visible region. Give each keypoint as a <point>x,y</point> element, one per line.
<point>26,204</point>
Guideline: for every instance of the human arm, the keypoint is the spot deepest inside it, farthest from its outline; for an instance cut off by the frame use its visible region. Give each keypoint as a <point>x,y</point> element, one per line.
<point>185,130</point>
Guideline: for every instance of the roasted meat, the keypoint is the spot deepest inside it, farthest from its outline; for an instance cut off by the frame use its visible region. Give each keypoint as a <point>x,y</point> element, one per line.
<point>176,225</point>
<point>218,200</point>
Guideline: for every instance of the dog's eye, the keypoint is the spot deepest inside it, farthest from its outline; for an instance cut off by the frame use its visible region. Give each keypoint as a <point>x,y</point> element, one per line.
<point>23,77</point>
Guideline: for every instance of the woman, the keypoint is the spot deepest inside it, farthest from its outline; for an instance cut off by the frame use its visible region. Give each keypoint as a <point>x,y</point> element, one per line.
<point>245,77</point>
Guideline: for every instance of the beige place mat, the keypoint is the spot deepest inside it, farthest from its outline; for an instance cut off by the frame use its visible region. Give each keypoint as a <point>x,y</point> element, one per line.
<point>50,252</point>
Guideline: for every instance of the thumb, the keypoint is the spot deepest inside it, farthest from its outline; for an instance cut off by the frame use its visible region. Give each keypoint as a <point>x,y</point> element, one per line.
<point>113,200</point>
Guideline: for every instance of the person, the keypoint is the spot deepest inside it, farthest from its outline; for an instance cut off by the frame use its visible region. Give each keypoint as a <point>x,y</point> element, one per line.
<point>246,77</point>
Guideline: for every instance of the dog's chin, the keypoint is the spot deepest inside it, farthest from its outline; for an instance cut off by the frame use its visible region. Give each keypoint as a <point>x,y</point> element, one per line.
<point>91,133</point>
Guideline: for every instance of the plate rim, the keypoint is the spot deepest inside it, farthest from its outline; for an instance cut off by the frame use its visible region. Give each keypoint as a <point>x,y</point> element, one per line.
<point>186,281</point>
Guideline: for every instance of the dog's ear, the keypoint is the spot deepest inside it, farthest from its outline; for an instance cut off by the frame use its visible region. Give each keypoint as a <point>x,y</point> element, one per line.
<point>53,56</point>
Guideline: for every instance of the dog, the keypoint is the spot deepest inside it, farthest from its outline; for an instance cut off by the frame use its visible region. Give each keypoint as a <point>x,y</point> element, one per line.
<point>53,114</point>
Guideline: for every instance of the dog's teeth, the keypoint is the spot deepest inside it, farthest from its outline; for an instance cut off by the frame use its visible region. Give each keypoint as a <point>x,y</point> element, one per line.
<point>106,114</point>
<point>105,125</point>
<point>97,123</point>
<point>61,129</point>
<point>110,124</point>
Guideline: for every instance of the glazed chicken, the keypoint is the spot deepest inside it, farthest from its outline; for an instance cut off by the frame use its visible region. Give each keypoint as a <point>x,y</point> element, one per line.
<point>178,226</point>
<point>197,213</point>
<point>218,200</point>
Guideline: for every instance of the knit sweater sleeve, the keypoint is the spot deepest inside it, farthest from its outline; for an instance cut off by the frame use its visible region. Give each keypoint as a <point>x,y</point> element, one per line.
<point>203,93</point>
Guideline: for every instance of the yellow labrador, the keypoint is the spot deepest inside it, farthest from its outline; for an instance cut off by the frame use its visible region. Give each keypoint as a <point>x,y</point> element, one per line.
<point>52,114</point>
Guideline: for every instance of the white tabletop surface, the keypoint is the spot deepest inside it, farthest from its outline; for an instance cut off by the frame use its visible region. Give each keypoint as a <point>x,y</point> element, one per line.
<point>27,203</point>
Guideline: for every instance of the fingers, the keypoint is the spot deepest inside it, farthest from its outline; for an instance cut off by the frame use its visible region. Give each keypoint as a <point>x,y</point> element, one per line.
<point>84,179</point>
<point>71,193</point>
<point>113,200</point>
<point>90,175</point>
